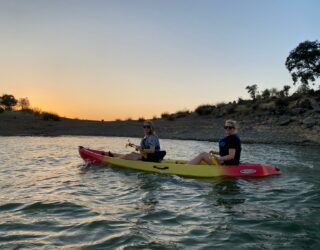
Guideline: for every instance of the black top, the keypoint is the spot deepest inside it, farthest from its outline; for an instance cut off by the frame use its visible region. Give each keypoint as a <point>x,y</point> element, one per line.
<point>230,141</point>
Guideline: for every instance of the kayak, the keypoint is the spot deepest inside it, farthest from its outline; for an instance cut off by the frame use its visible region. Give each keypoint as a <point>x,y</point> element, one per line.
<point>177,167</point>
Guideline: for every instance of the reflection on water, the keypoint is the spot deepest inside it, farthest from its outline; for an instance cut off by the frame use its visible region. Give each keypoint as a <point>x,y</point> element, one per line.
<point>148,201</point>
<point>227,193</point>
<point>50,199</point>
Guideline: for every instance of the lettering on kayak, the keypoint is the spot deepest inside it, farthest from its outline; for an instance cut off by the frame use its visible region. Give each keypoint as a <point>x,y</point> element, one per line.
<point>248,171</point>
<point>160,167</point>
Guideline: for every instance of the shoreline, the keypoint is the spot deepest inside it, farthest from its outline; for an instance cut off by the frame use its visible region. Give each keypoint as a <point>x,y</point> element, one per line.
<point>253,130</point>
<point>243,141</point>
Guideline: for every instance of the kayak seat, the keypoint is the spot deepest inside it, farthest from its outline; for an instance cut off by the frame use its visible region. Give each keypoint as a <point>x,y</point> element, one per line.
<point>161,154</point>
<point>156,156</point>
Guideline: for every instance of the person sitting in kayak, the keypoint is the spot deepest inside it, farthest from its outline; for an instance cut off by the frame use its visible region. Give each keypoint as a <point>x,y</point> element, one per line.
<point>149,149</point>
<point>229,148</point>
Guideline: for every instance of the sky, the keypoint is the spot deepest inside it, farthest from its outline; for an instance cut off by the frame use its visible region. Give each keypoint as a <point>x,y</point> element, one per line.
<point>123,59</point>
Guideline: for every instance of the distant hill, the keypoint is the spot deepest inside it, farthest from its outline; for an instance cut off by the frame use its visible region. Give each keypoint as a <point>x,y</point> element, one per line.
<point>285,120</point>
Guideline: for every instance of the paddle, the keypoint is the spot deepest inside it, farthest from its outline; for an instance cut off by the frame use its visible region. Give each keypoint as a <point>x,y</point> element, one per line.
<point>137,148</point>
<point>214,159</point>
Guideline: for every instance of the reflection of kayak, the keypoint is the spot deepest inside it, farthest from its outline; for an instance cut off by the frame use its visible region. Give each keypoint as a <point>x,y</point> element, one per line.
<point>171,167</point>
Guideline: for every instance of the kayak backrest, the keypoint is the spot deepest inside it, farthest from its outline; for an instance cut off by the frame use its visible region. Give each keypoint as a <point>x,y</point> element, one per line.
<point>156,156</point>
<point>162,154</point>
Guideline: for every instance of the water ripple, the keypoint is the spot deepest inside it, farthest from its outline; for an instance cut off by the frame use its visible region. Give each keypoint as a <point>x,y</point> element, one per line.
<point>50,200</point>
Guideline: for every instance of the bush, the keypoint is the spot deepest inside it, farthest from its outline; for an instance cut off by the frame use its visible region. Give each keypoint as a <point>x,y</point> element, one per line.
<point>165,115</point>
<point>317,95</point>
<point>241,101</point>
<point>46,116</point>
<point>141,119</point>
<point>37,111</point>
<point>230,109</point>
<point>268,106</point>
<point>255,106</point>
<point>242,109</point>
<point>181,114</point>
<point>305,104</point>
<point>171,117</point>
<point>220,105</point>
<point>205,109</point>
<point>28,111</point>
<point>282,102</point>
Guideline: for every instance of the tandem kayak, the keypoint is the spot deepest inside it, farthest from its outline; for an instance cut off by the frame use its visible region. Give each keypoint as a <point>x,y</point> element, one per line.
<point>97,157</point>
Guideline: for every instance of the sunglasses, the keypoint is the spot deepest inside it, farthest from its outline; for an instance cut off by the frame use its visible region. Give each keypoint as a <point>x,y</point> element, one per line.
<point>146,126</point>
<point>228,127</point>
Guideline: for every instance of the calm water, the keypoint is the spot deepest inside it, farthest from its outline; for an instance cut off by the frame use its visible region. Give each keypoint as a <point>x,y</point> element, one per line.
<point>49,200</point>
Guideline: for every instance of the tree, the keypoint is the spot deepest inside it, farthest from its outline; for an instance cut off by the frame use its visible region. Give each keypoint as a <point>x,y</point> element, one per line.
<point>303,62</point>
<point>252,90</point>
<point>8,101</point>
<point>266,94</point>
<point>285,90</point>
<point>274,92</point>
<point>24,103</point>
<point>303,89</point>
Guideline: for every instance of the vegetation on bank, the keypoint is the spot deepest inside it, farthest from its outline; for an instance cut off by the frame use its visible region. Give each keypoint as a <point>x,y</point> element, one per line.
<point>8,103</point>
<point>303,63</point>
<point>262,105</point>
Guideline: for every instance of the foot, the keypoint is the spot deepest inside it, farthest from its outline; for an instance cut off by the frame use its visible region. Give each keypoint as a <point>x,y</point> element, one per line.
<point>180,162</point>
<point>107,154</point>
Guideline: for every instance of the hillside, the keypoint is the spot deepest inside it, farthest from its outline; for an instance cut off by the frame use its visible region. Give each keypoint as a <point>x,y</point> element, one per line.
<point>294,120</point>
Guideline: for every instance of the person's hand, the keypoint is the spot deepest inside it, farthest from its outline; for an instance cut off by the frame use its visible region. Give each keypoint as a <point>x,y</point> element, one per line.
<point>219,159</point>
<point>213,152</point>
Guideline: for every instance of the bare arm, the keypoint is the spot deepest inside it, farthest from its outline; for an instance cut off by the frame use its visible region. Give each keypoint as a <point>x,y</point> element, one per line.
<point>150,150</point>
<point>230,156</point>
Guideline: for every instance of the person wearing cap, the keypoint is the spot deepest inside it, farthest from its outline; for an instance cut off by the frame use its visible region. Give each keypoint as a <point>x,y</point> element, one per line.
<point>229,148</point>
<point>149,149</point>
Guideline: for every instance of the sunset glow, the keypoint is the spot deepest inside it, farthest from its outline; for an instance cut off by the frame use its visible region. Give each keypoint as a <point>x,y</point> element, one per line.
<point>129,59</point>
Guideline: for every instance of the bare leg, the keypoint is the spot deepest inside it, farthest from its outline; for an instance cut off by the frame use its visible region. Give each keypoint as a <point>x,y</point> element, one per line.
<point>204,156</point>
<point>118,155</point>
<point>125,156</point>
<point>132,156</point>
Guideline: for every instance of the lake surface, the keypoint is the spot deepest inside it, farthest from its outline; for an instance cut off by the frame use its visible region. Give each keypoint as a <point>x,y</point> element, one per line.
<point>49,199</point>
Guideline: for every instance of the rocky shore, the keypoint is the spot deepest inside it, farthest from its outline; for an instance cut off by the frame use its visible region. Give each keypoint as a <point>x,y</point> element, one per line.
<point>300,129</point>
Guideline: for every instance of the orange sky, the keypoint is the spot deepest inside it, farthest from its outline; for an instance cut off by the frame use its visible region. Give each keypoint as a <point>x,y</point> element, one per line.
<point>114,59</point>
